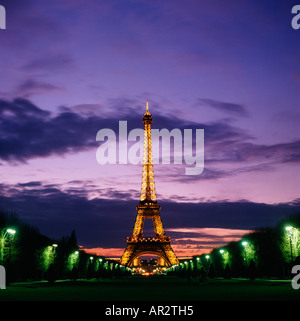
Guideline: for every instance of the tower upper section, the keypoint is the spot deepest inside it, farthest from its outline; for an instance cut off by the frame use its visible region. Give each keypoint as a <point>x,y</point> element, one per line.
<point>148,194</point>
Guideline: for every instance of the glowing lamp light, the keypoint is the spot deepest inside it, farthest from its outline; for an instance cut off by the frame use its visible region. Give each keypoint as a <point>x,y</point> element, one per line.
<point>222,251</point>
<point>54,245</point>
<point>288,228</point>
<point>11,231</point>
<point>207,257</point>
<point>244,243</point>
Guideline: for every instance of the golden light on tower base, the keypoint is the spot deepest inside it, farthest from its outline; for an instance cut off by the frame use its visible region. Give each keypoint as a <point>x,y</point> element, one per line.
<point>148,208</point>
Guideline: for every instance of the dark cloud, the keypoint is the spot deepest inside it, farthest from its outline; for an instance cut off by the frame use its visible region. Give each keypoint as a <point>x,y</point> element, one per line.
<point>30,184</point>
<point>32,87</point>
<point>56,212</point>
<point>209,173</point>
<point>20,108</point>
<point>106,222</point>
<point>49,62</point>
<point>28,131</point>
<point>277,153</point>
<point>226,107</point>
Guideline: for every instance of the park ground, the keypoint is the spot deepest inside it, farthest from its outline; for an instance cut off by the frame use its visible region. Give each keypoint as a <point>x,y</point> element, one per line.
<point>152,289</point>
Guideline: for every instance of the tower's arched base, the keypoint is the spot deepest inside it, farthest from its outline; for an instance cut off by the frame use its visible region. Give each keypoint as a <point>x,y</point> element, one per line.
<point>142,246</point>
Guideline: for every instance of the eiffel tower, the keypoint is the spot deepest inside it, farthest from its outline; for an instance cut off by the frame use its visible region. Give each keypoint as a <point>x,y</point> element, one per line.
<point>148,208</point>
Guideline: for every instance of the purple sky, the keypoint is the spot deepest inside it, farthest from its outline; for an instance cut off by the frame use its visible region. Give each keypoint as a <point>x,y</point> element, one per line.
<point>71,68</point>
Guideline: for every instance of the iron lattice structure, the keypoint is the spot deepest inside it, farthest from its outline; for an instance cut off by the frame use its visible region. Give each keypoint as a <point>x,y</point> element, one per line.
<point>148,208</point>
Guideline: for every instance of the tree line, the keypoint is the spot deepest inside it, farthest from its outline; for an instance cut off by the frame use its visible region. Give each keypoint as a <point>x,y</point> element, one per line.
<point>264,253</point>
<point>27,254</point>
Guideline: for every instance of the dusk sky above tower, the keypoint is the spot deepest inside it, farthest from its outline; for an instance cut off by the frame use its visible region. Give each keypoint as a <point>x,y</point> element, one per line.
<point>70,68</point>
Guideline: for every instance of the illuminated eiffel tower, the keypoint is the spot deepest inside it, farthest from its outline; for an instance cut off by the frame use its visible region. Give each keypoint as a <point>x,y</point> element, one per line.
<point>148,208</point>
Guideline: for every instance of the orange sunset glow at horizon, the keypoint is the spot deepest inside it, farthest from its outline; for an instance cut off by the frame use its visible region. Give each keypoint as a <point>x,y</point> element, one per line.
<point>200,241</point>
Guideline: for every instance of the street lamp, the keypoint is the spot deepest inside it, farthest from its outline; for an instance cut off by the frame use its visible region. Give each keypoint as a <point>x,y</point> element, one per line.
<point>207,259</point>
<point>11,231</point>
<point>54,246</point>
<point>289,229</point>
<point>222,251</point>
<point>245,243</point>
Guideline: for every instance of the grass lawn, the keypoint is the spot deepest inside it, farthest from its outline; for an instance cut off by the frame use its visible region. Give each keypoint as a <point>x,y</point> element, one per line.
<point>152,289</point>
